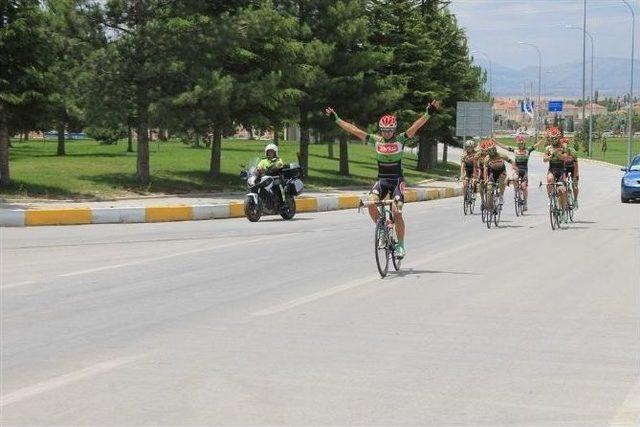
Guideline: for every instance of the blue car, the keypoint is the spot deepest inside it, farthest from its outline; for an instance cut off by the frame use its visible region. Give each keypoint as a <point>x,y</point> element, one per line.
<point>630,185</point>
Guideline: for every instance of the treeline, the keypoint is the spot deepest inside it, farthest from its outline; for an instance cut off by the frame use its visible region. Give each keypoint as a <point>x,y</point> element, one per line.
<point>122,67</point>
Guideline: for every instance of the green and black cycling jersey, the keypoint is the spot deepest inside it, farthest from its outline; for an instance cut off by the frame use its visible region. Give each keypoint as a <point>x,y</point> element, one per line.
<point>522,157</point>
<point>389,154</point>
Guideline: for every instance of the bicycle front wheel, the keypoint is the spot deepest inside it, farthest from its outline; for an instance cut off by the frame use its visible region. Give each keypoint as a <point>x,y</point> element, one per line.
<point>552,212</point>
<point>381,246</point>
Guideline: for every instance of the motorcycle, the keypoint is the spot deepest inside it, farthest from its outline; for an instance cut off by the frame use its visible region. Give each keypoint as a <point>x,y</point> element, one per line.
<point>272,193</point>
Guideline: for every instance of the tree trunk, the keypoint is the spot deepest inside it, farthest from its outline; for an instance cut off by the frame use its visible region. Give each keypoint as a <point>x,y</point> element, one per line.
<point>162,134</point>
<point>26,136</point>
<point>61,129</point>
<point>142,172</point>
<point>303,156</point>
<point>129,139</point>
<point>344,156</point>
<point>196,141</point>
<point>276,134</point>
<point>4,149</point>
<point>216,153</point>
<point>330,152</point>
<point>423,148</point>
<point>445,149</point>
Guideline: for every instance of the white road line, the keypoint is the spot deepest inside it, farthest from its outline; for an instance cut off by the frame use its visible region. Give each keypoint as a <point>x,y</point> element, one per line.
<point>629,413</point>
<point>174,255</point>
<point>279,308</point>
<point>63,380</point>
<point>314,297</point>
<point>16,285</point>
<point>143,261</point>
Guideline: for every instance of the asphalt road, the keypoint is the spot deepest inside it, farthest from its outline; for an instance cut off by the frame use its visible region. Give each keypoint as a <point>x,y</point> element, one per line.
<point>233,323</point>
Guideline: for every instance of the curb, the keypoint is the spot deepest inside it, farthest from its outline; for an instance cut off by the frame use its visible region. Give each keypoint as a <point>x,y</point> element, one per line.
<point>167,213</point>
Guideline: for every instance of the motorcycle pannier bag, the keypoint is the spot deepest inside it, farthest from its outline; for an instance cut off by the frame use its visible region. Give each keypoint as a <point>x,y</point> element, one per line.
<point>295,187</point>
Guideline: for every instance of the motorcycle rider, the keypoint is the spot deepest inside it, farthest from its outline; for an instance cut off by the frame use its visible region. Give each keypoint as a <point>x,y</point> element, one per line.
<point>271,164</point>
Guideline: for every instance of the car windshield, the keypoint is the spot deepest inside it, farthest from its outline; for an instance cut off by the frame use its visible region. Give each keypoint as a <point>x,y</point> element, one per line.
<point>635,166</point>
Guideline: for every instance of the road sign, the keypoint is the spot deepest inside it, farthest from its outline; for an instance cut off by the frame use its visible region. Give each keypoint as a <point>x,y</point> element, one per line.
<point>474,119</point>
<point>556,106</point>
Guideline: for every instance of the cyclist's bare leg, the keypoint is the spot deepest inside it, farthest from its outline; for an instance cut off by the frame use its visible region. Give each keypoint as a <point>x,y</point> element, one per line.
<point>399,221</point>
<point>501,184</point>
<point>373,213</point>
<point>550,181</point>
<point>562,192</point>
<point>489,203</point>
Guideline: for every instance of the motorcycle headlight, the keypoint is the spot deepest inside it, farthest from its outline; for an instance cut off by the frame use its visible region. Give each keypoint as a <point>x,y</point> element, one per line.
<point>252,180</point>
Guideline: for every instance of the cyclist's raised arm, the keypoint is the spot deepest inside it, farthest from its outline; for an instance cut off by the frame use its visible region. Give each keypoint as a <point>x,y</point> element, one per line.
<point>351,128</point>
<point>501,145</point>
<point>415,127</point>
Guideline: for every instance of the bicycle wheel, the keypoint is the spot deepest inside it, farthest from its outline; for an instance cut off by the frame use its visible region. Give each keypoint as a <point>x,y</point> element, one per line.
<point>472,203</point>
<point>395,260</point>
<point>552,212</point>
<point>496,216</point>
<point>381,250</point>
<point>516,200</point>
<point>489,216</point>
<point>465,201</point>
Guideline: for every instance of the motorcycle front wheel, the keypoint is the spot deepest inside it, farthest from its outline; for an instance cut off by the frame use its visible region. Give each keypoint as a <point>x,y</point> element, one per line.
<point>252,210</point>
<point>288,211</point>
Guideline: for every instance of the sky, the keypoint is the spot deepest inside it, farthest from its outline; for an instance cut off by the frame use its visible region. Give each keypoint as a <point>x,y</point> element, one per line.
<point>495,27</point>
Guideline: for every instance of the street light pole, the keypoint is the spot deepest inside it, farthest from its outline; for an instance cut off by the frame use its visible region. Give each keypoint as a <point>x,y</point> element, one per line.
<point>490,83</point>
<point>584,55</point>
<point>537,109</point>
<point>633,27</point>
<point>591,93</point>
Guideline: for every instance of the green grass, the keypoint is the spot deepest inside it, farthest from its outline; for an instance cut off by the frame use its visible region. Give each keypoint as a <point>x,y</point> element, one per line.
<point>91,170</point>
<point>616,149</point>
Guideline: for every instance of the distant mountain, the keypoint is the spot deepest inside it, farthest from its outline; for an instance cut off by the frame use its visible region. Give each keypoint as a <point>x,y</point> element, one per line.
<point>611,78</point>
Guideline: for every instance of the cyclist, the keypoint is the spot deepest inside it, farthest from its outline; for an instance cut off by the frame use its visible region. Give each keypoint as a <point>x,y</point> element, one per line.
<point>495,170</point>
<point>556,155</point>
<point>468,163</point>
<point>522,154</point>
<point>571,167</point>
<point>389,147</point>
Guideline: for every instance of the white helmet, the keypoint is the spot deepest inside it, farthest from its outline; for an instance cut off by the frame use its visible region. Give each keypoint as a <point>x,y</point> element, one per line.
<point>469,144</point>
<point>273,147</point>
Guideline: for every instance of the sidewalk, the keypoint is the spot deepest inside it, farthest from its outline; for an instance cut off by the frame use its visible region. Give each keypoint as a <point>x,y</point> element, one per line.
<point>19,213</point>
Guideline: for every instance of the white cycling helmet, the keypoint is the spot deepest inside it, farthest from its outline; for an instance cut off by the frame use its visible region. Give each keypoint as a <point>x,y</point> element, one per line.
<point>273,147</point>
<point>469,144</point>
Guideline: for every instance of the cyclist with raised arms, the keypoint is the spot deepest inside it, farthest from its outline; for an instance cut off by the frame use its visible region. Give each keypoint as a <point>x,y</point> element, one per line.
<point>556,155</point>
<point>389,147</point>
<point>571,167</point>
<point>522,154</point>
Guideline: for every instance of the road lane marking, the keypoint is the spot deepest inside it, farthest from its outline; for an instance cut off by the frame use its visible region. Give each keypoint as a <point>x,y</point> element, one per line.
<point>64,380</point>
<point>313,297</point>
<point>279,308</point>
<point>147,260</point>
<point>163,257</point>
<point>17,285</point>
<point>628,414</point>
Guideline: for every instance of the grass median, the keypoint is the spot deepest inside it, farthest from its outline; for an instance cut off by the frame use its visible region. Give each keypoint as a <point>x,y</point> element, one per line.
<point>91,170</point>
<point>616,152</point>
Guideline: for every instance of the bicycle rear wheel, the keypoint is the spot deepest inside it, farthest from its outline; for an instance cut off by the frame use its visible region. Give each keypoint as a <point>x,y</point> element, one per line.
<point>465,201</point>
<point>496,216</point>
<point>381,250</point>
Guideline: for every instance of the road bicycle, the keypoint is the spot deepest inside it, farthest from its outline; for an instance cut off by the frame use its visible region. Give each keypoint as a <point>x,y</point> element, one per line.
<point>571,197</point>
<point>469,200</point>
<point>494,207</point>
<point>385,237</point>
<point>518,196</point>
<point>555,209</point>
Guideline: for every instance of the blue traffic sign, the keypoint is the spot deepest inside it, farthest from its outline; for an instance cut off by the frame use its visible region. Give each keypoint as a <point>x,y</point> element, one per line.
<point>556,106</point>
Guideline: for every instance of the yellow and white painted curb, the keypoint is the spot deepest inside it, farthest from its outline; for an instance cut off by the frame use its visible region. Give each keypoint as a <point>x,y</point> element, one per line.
<point>166,213</point>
